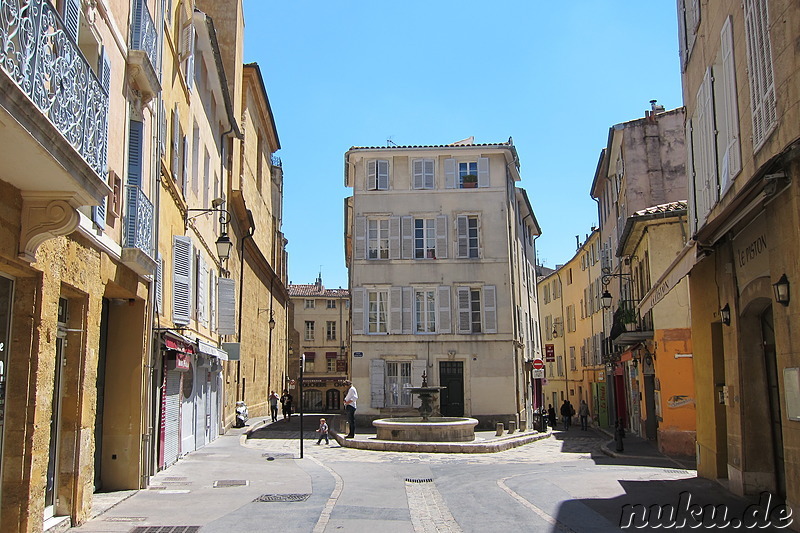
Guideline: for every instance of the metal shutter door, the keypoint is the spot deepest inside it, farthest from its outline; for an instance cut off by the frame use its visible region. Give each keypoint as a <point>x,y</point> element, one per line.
<point>172,418</point>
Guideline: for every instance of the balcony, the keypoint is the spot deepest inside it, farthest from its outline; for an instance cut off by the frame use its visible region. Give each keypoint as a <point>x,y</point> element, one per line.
<point>138,249</point>
<point>54,117</point>
<point>629,327</point>
<point>143,53</point>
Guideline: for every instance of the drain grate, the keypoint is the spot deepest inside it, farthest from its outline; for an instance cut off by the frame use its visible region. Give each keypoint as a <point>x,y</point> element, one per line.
<point>166,529</point>
<point>175,478</point>
<point>282,498</point>
<point>675,471</point>
<point>419,480</point>
<point>125,519</point>
<point>221,483</point>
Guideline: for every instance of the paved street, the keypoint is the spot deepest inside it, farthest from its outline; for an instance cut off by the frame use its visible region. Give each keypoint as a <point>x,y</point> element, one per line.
<point>561,483</point>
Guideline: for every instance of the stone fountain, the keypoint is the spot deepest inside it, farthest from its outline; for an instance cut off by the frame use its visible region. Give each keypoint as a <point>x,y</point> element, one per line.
<point>426,428</point>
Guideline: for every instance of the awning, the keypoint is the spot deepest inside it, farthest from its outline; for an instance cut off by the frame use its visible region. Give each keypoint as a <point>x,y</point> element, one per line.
<point>177,342</point>
<point>674,273</point>
<point>210,349</point>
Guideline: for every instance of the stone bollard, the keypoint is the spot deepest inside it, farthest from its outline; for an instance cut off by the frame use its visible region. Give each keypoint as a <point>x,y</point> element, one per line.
<point>499,429</point>
<point>512,426</point>
<point>523,425</point>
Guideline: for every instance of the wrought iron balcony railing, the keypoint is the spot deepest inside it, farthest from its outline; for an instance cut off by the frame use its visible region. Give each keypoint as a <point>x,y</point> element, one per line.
<point>143,32</point>
<point>46,63</point>
<point>139,221</point>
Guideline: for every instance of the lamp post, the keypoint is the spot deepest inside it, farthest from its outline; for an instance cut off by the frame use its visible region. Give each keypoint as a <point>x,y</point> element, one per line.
<point>223,243</point>
<point>302,365</point>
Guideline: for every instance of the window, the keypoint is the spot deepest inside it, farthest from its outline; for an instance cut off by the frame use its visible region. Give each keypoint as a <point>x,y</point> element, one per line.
<point>423,173</point>
<point>330,330</point>
<point>309,330</point>
<point>468,175</point>
<point>331,365</point>
<point>377,175</point>
<point>572,358</point>
<point>688,22</point>
<point>425,311</point>
<point>398,379</point>
<point>560,365</point>
<point>377,311</point>
<point>424,238</point>
<point>467,230</point>
<point>378,238</point>
<point>331,304</point>
<point>309,304</point>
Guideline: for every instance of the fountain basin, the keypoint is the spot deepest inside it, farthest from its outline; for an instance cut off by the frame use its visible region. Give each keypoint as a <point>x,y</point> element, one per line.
<point>434,429</point>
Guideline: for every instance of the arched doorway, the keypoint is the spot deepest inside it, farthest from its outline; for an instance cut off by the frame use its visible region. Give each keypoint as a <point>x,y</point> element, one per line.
<point>773,395</point>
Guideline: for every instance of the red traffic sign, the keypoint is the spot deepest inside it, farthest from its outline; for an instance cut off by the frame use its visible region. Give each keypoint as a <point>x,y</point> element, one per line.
<point>538,364</point>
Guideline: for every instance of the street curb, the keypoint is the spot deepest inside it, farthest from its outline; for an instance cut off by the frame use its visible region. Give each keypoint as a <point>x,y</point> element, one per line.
<point>622,455</point>
<point>499,445</point>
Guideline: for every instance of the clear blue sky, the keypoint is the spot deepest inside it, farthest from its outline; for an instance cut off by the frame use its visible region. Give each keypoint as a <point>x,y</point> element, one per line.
<point>347,73</point>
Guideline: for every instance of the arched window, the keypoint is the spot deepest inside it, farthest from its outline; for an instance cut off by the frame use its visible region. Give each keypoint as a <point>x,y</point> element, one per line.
<point>312,400</point>
<point>332,400</point>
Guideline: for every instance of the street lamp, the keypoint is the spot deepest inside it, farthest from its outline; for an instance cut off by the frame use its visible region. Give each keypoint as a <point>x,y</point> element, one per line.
<point>224,246</point>
<point>606,299</point>
<point>725,315</point>
<point>223,242</point>
<point>782,290</point>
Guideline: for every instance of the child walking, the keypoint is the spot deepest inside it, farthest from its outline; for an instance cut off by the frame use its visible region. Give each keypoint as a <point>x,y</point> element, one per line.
<point>323,431</point>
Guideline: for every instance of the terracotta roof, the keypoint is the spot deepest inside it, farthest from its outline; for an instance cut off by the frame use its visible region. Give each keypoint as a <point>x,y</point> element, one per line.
<point>316,290</point>
<point>663,208</point>
<point>501,145</point>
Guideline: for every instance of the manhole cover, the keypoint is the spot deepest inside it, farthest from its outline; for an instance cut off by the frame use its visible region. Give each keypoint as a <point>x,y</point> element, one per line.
<point>125,519</point>
<point>282,498</point>
<point>230,483</point>
<point>273,456</point>
<point>422,480</point>
<point>166,529</point>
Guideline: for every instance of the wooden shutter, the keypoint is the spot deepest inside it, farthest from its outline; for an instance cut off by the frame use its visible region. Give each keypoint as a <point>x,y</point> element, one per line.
<point>394,237</point>
<point>226,306</point>
<point>212,300</point>
<point>99,213</point>
<point>429,166</point>
<point>202,290</point>
<point>483,172</point>
<point>682,40</point>
<point>489,309</point>
<point>377,378</point>
<point>372,175</point>
<point>759,63</point>
<point>135,139</point>
<point>176,143</point>
<point>383,174</point>
<point>709,142</point>
<point>72,18</point>
<point>104,68</point>
<point>444,322</point>
<point>408,307</point>
<point>396,310</point>
<point>441,237</point>
<point>732,160</point>
<point>462,236</point>
<point>182,255</point>
<point>450,173</point>
<point>407,231</point>
<point>464,322</point>
<point>159,284</point>
<point>690,175</point>
<point>418,170</point>
<point>358,311</point>
<point>189,65</point>
<point>360,245</point>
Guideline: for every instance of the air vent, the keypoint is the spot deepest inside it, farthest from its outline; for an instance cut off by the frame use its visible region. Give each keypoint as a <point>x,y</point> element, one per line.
<point>422,480</point>
<point>222,483</point>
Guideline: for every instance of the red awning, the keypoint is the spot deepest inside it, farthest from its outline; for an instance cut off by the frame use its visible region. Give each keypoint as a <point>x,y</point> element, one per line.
<point>173,344</point>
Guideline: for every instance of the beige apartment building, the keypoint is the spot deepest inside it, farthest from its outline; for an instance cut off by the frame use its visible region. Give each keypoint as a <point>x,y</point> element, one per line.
<point>322,319</point>
<point>440,246</point>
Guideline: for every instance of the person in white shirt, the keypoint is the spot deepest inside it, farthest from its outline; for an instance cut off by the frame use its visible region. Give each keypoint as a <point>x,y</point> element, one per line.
<point>350,407</point>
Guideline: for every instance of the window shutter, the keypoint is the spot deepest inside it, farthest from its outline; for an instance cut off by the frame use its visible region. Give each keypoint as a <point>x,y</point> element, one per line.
<point>464,324</point>
<point>483,172</point>
<point>408,306</point>
<point>176,143</point>
<point>418,366</point>
<point>732,160</point>
<point>418,167</point>
<point>135,138</point>
<point>760,74</point>
<point>682,50</point>
<point>162,130</point>
<point>372,175</point>
<point>202,291</point>
<point>377,369</point>
<point>185,165</point>
<point>226,306</point>
<point>104,68</point>
<point>72,18</point>
<point>690,174</point>
<point>159,285</point>
<point>136,25</point>
<point>444,323</point>
<point>450,173</point>
<point>462,231</point>
<point>429,171</point>
<point>394,237</point>
<point>489,309</point>
<point>441,237</point>
<point>396,310</point>
<point>187,40</point>
<point>407,230</point>
<point>383,175</point>
<point>709,143</point>
<point>99,214</point>
<point>360,246</point>
<point>190,63</point>
<point>358,311</point>
<point>182,254</point>
<point>212,300</point>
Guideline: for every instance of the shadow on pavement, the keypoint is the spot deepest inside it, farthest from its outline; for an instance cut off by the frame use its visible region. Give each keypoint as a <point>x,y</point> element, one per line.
<point>290,427</point>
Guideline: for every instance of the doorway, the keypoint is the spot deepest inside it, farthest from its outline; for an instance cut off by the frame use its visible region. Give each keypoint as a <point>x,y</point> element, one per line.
<point>101,387</point>
<point>773,394</point>
<point>451,376</point>
<point>51,485</point>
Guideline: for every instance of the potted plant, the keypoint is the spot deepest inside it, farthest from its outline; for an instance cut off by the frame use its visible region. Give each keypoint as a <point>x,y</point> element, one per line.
<point>469,181</point>
<point>628,316</point>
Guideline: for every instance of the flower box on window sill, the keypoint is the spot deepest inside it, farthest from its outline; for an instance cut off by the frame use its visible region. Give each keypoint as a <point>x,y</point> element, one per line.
<point>469,185</point>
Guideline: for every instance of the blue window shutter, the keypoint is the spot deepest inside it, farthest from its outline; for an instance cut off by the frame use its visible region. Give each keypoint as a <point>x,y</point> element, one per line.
<point>99,214</point>
<point>135,137</point>
<point>136,25</point>
<point>72,18</point>
<point>104,70</point>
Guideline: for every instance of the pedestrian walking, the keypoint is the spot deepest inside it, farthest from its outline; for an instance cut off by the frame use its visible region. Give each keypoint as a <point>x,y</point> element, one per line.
<point>286,404</point>
<point>583,412</point>
<point>273,405</point>
<point>551,414</point>
<point>323,431</point>
<point>350,407</point>
<point>566,414</point>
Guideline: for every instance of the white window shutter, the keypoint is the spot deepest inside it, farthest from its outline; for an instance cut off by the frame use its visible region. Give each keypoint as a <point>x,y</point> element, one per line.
<point>159,285</point>
<point>202,291</point>
<point>418,169</point>
<point>407,230</point>
<point>709,142</point>
<point>444,324</point>
<point>394,237</point>
<point>360,244</point>
<point>174,167</point>
<point>733,156</point>
<point>483,172</point>
<point>377,377</point>
<point>408,306</point>
<point>690,175</point>
<point>226,306</point>
<point>358,311</point>
<point>396,310</point>
<point>450,173</point>
<point>372,175</point>
<point>682,40</point>
<point>462,236</point>
<point>182,256</point>
<point>429,172</point>
<point>489,309</point>
<point>760,73</point>
<point>187,40</point>
<point>383,174</point>
<point>464,318</point>
<point>441,237</point>
<point>162,130</point>
<point>212,300</point>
